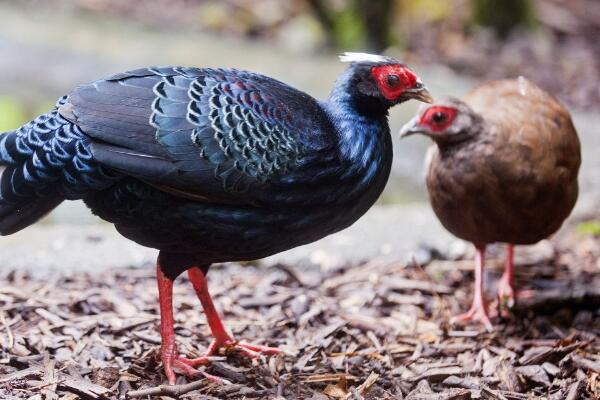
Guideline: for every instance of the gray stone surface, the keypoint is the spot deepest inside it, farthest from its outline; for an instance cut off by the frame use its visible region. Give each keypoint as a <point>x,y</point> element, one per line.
<point>389,231</point>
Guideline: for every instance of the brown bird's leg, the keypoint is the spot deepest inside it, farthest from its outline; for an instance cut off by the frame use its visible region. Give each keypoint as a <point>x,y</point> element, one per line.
<point>222,339</point>
<point>478,310</point>
<point>169,354</point>
<point>506,291</point>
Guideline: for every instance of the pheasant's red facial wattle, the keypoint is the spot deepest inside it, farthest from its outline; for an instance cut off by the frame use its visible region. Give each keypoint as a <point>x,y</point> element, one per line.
<point>438,118</point>
<point>393,80</point>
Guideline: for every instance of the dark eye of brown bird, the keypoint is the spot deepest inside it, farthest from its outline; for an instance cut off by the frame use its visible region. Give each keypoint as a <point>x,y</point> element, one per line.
<point>439,117</point>
<point>393,80</point>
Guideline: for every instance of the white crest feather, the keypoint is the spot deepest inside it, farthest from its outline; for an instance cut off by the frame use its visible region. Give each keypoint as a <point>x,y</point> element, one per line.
<point>350,57</point>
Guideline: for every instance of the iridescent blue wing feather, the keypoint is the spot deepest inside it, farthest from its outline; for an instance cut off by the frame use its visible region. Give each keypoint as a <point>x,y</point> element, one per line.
<point>42,163</point>
<point>207,133</point>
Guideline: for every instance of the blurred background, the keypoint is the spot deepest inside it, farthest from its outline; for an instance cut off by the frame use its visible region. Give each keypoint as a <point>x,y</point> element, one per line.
<point>49,47</point>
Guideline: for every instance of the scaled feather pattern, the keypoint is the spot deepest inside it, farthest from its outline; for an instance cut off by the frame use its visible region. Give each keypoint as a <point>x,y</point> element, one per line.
<point>208,165</point>
<point>194,160</point>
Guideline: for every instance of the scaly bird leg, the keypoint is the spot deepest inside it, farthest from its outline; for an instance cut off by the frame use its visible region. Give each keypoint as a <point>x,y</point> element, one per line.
<point>507,294</point>
<point>478,310</point>
<point>169,354</point>
<point>506,291</point>
<point>222,339</point>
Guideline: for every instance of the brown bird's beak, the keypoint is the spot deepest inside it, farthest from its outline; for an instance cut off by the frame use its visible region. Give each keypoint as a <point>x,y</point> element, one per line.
<point>411,127</point>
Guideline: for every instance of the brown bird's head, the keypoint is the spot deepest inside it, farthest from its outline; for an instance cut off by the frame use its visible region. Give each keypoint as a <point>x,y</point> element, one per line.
<point>446,121</point>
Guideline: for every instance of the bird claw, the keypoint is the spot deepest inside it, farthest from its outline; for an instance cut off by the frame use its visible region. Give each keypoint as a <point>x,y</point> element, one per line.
<point>173,361</point>
<point>222,339</point>
<point>252,350</point>
<point>506,294</point>
<point>476,313</point>
<point>248,350</point>
<point>186,366</point>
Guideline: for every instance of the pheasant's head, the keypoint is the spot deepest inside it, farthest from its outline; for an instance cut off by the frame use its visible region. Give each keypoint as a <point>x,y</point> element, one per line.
<point>383,80</point>
<point>448,120</point>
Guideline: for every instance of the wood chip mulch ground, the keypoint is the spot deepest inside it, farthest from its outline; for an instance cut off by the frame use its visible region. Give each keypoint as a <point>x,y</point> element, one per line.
<point>376,330</point>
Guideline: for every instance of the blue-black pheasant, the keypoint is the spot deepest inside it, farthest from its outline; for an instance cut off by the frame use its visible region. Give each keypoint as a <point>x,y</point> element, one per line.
<point>209,165</point>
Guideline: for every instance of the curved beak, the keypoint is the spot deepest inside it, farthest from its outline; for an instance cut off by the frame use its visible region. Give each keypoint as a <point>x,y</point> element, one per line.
<point>411,127</point>
<point>420,92</point>
<point>424,96</point>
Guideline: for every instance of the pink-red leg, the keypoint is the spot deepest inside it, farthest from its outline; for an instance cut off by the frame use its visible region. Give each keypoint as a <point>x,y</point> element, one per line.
<point>169,355</point>
<point>478,310</point>
<point>506,291</point>
<point>222,339</point>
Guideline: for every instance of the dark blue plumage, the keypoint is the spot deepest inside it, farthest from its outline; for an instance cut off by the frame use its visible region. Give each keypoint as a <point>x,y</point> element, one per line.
<point>209,165</point>
<point>43,163</point>
<point>192,160</point>
<point>241,163</point>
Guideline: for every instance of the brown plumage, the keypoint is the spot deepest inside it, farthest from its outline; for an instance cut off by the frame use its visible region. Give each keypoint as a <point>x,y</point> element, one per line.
<point>503,168</point>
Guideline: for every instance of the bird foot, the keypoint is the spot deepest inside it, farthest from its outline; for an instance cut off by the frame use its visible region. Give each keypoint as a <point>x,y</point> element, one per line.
<point>246,349</point>
<point>187,366</point>
<point>173,361</point>
<point>478,312</point>
<point>506,294</point>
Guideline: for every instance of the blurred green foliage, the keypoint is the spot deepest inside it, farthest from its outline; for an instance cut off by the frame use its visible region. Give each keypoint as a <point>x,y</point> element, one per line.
<point>41,108</point>
<point>427,10</point>
<point>12,114</point>
<point>503,15</point>
<point>354,24</point>
<point>348,30</point>
<point>589,228</point>
<point>370,24</point>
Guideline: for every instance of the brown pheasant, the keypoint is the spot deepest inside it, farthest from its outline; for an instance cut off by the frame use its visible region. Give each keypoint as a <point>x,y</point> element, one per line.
<point>503,169</point>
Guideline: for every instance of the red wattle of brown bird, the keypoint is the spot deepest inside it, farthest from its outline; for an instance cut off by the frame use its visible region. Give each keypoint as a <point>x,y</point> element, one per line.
<point>503,168</point>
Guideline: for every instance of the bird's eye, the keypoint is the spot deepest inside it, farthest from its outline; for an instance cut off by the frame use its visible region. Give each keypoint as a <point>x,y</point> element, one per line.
<point>439,117</point>
<point>393,80</point>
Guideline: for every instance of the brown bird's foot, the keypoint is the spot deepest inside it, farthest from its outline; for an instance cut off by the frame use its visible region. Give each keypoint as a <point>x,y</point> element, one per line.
<point>506,292</point>
<point>478,310</point>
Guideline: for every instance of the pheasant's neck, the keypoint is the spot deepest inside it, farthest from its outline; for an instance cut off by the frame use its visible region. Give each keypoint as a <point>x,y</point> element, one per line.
<point>365,147</point>
<point>362,129</point>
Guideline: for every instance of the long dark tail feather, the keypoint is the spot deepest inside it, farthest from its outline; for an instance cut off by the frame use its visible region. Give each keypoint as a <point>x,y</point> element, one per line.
<point>14,217</point>
<point>43,163</point>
